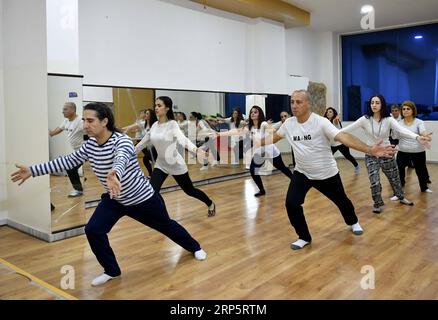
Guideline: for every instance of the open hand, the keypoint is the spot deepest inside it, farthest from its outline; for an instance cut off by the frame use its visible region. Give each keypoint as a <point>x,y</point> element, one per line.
<point>380,151</point>
<point>113,183</point>
<point>22,174</point>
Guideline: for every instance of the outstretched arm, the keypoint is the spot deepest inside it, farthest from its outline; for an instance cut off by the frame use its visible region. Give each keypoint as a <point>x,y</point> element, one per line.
<point>377,150</point>
<point>54,132</point>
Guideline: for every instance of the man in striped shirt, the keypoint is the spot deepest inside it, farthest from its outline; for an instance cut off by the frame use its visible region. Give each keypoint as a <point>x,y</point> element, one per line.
<point>113,160</point>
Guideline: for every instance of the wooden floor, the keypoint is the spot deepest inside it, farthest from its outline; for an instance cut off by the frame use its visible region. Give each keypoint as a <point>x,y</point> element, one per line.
<point>248,248</point>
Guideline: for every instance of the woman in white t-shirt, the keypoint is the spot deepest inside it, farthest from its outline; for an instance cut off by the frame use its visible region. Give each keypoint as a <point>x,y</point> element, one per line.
<point>164,135</point>
<point>410,150</point>
<point>257,128</point>
<point>376,125</point>
<point>331,114</point>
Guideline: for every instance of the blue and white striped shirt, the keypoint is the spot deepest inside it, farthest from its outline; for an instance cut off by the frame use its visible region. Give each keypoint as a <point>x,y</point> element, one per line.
<point>118,154</point>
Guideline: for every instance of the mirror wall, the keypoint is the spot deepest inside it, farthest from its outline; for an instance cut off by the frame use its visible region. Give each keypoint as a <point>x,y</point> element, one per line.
<point>129,104</point>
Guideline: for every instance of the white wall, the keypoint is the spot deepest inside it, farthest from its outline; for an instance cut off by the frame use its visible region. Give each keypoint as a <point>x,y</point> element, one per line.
<point>62,36</point>
<point>162,44</point>
<point>207,103</point>
<point>25,97</point>
<point>98,94</point>
<point>3,176</point>
<point>313,55</point>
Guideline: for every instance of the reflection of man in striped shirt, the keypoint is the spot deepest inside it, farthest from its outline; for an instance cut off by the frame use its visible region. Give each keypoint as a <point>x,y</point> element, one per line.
<point>112,158</point>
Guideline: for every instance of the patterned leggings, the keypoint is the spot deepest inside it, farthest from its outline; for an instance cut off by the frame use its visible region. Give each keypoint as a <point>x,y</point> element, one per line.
<point>389,168</point>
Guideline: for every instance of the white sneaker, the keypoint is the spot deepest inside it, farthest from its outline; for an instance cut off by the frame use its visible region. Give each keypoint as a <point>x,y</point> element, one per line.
<point>394,198</point>
<point>75,193</point>
<point>428,191</point>
<point>406,202</point>
<point>203,168</point>
<point>357,229</point>
<point>299,244</point>
<point>103,278</point>
<point>215,163</point>
<point>200,255</point>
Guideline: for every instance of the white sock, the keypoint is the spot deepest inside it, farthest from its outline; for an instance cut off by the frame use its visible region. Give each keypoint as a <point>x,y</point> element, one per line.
<point>394,198</point>
<point>357,229</point>
<point>428,191</point>
<point>299,244</point>
<point>200,254</point>
<point>211,207</point>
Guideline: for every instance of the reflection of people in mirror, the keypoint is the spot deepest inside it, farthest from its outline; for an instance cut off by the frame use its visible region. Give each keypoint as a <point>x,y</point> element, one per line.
<point>128,192</point>
<point>258,128</point>
<point>75,136</point>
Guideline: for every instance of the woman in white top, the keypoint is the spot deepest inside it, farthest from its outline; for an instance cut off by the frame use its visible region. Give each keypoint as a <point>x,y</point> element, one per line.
<point>376,125</point>
<point>236,121</point>
<point>410,150</point>
<point>205,137</point>
<point>331,114</point>
<point>164,135</point>
<point>257,127</point>
<point>147,119</point>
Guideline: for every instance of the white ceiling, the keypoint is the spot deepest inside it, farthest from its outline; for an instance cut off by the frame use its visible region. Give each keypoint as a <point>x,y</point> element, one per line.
<point>344,15</point>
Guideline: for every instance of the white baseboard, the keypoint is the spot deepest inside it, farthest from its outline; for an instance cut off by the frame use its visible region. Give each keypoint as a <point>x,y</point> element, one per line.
<point>3,221</point>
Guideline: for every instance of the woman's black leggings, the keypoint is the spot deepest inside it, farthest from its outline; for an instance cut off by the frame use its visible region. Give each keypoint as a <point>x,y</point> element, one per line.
<point>258,161</point>
<point>150,155</point>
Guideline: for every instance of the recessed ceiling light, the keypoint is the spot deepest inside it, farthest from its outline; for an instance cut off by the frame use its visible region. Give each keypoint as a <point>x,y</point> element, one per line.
<point>366,9</point>
<point>418,37</point>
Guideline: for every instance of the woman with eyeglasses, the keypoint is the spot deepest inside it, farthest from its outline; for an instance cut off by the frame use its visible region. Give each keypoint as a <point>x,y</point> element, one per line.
<point>258,128</point>
<point>331,114</point>
<point>376,124</point>
<point>410,150</point>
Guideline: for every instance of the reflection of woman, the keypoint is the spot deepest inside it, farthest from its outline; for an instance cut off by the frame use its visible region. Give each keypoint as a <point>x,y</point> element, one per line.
<point>331,114</point>
<point>128,192</point>
<point>376,125</point>
<point>410,150</point>
<point>257,127</point>
<point>149,151</point>
<point>164,135</point>
<point>205,137</point>
<point>236,121</point>
<point>142,126</point>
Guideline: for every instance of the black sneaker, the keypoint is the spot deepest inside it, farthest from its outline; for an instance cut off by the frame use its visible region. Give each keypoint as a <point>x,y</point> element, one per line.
<point>377,210</point>
<point>260,193</point>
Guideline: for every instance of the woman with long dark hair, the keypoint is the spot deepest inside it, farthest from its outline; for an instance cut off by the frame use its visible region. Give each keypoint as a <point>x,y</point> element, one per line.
<point>128,192</point>
<point>164,135</point>
<point>376,124</point>
<point>333,116</point>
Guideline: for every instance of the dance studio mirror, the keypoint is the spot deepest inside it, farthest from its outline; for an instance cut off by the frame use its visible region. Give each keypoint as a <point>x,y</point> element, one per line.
<point>131,107</point>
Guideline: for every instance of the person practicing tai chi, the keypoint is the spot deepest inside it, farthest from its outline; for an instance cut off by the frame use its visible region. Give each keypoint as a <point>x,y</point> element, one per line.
<point>75,136</point>
<point>311,137</point>
<point>128,192</point>
<point>376,125</point>
<point>164,135</point>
